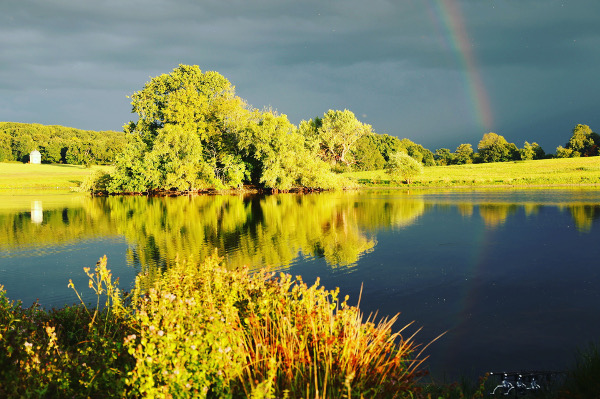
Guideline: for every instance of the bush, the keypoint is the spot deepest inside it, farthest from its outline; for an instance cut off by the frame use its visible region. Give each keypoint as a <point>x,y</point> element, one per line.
<point>402,166</point>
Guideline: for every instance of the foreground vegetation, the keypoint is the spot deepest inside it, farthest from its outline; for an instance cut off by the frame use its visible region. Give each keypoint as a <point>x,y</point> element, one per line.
<point>198,330</point>
<point>558,171</point>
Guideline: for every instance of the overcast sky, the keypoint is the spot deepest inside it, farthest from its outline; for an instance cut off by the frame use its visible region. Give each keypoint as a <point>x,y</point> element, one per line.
<point>438,72</point>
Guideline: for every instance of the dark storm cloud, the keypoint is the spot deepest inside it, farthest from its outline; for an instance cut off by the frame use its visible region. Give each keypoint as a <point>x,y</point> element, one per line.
<point>394,63</point>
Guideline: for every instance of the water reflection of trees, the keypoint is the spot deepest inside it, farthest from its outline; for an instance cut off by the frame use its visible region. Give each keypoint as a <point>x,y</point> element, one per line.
<point>256,230</point>
<point>583,215</point>
<point>247,230</point>
<point>494,215</point>
<point>70,222</point>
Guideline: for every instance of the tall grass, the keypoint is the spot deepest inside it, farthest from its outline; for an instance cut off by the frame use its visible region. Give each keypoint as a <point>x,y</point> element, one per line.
<point>265,336</point>
<point>199,330</point>
<point>583,380</point>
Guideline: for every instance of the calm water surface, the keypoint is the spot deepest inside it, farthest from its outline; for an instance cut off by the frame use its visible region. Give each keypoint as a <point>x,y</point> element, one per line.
<point>511,276</point>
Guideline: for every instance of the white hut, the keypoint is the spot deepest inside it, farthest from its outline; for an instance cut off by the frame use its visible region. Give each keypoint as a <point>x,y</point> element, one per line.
<point>35,157</point>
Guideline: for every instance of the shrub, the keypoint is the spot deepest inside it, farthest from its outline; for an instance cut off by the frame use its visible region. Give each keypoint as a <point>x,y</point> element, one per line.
<point>402,166</point>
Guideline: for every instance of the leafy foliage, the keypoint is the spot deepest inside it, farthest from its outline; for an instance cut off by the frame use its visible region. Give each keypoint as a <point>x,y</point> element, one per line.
<point>69,352</point>
<point>58,144</point>
<point>193,132</point>
<point>402,166</point>
<point>495,148</point>
<point>463,154</point>
<point>583,142</point>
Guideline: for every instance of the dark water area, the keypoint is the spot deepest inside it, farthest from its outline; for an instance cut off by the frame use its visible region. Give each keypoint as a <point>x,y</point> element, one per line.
<point>511,276</point>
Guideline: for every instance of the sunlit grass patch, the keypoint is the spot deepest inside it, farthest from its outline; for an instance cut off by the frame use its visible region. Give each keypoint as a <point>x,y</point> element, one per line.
<point>19,176</point>
<point>563,171</point>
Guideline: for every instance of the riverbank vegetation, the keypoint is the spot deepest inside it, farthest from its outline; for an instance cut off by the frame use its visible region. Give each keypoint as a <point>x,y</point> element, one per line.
<point>199,330</point>
<point>546,172</point>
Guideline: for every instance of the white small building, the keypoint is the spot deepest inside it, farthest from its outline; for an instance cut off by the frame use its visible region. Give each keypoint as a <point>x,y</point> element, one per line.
<point>35,157</point>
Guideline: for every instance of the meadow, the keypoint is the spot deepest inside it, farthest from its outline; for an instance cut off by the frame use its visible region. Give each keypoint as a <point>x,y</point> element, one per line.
<point>20,176</point>
<point>544,172</point>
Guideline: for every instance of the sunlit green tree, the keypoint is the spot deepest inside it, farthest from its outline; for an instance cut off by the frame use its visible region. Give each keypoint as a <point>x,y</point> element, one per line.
<point>495,148</point>
<point>583,141</point>
<point>402,166</point>
<point>337,133</point>
<point>463,154</point>
<point>443,156</point>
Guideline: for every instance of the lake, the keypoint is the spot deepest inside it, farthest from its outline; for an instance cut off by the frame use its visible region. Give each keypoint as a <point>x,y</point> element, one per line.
<point>512,276</point>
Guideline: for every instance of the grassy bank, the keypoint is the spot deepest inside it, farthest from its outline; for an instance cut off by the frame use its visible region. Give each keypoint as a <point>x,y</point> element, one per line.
<point>547,172</point>
<point>199,330</point>
<point>560,171</point>
<point>19,176</point>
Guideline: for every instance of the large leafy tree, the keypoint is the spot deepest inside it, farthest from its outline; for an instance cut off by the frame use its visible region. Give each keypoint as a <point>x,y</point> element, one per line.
<point>189,121</point>
<point>463,154</point>
<point>402,166</point>
<point>193,132</point>
<point>531,151</point>
<point>443,156</point>
<point>583,141</point>
<point>336,134</point>
<point>495,148</point>
<point>367,154</point>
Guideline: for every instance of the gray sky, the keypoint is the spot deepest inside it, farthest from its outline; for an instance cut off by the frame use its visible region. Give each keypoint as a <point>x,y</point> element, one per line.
<point>438,72</point>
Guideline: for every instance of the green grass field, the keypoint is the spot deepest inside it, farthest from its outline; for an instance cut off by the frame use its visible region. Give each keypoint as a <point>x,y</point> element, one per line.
<point>560,171</point>
<point>19,176</point>
<point>546,172</point>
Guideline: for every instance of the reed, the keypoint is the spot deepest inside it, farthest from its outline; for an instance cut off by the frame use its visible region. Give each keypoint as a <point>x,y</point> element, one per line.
<point>263,335</point>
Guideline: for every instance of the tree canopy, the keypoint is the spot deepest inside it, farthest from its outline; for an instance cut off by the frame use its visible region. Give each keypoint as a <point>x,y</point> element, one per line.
<point>193,132</point>
<point>495,148</point>
<point>583,143</point>
<point>402,166</point>
<point>58,144</point>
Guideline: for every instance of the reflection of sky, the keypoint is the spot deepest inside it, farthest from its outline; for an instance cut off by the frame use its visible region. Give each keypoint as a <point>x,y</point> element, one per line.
<point>43,272</point>
<point>517,295</point>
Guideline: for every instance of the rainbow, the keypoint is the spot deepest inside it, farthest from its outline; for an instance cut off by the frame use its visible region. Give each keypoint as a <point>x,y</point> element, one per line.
<point>447,13</point>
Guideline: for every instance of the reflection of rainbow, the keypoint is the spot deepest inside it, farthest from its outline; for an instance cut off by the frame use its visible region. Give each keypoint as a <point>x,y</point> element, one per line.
<point>454,31</point>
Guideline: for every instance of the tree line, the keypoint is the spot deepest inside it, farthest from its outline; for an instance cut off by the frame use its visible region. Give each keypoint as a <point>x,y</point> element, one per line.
<point>193,132</point>
<point>59,144</point>
<point>494,148</point>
